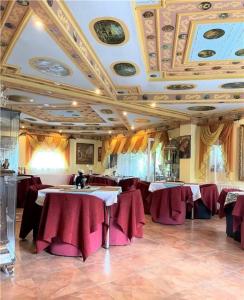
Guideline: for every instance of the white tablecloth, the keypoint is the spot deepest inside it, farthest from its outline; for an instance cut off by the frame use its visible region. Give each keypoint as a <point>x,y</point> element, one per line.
<point>158,185</point>
<point>108,194</point>
<point>232,197</point>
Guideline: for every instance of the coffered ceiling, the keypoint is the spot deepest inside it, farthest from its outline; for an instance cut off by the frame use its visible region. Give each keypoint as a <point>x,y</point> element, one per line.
<point>103,67</point>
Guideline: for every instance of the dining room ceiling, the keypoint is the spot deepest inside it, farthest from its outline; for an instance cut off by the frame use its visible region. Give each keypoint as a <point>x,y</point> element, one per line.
<point>104,67</point>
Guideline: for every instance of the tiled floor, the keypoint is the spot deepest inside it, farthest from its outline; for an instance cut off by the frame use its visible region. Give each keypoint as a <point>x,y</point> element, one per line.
<point>191,261</point>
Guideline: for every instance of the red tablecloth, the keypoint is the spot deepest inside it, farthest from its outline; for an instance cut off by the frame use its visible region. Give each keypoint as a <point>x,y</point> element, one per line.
<point>70,218</point>
<point>128,214</point>
<point>128,184</point>
<point>22,189</point>
<point>221,200</point>
<point>209,196</point>
<point>170,204</point>
<point>32,212</point>
<point>238,217</point>
<point>101,180</point>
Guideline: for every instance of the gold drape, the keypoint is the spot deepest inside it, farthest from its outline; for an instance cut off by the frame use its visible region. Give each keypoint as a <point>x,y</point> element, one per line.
<point>52,142</point>
<point>132,144</point>
<point>209,135</point>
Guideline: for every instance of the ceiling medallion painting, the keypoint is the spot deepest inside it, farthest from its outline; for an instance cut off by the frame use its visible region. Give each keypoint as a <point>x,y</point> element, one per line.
<point>177,87</point>
<point>213,34</point>
<point>18,98</point>
<point>49,66</point>
<point>141,121</point>
<point>106,111</point>
<point>233,85</point>
<point>124,69</point>
<point>201,108</point>
<point>23,2</point>
<point>109,31</point>
<point>205,5</point>
<point>148,14</point>
<point>206,53</point>
<point>240,52</point>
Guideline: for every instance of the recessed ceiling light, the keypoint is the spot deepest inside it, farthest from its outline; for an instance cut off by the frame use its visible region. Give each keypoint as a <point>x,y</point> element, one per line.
<point>74,103</point>
<point>132,127</point>
<point>39,24</point>
<point>110,132</point>
<point>46,104</point>
<point>124,113</point>
<point>22,126</point>
<point>153,104</point>
<point>57,83</point>
<point>97,91</point>
<point>31,100</point>
<point>60,130</point>
<point>49,92</point>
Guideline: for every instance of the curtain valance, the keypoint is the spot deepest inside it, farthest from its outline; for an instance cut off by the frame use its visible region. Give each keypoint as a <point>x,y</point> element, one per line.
<point>132,144</point>
<point>210,135</point>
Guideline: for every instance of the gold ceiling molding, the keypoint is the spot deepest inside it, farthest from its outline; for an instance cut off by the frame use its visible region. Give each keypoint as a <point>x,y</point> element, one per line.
<point>166,30</point>
<point>26,84</point>
<point>64,29</point>
<point>16,16</point>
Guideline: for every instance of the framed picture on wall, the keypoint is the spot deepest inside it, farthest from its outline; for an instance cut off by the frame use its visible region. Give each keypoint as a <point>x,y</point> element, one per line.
<point>185,146</point>
<point>241,171</point>
<point>99,154</point>
<point>84,154</point>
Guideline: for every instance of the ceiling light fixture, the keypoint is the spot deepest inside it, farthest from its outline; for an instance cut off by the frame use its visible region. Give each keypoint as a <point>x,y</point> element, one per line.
<point>46,104</point>
<point>97,91</point>
<point>110,132</point>
<point>39,24</point>
<point>132,127</point>
<point>60,131</point>
<point>124,113</point>
<point>74,103</point>
<point>57,83</point>
<point>153,104</point>
<point>22,126</point>
<point>31,100</point>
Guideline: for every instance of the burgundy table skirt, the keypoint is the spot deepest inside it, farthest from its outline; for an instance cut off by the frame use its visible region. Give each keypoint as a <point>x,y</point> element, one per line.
<point>238,217</point>
<point>71,220</point>
<point>127,218</point>
<point>168,206</point>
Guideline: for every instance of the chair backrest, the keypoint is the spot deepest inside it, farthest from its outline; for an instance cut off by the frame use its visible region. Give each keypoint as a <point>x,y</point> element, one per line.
<point>128,184</point>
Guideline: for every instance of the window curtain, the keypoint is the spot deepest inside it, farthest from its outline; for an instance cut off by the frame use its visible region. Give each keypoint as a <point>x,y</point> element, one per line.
<point>52,142</point>
<point>132,144</point>
<point>211,135</point>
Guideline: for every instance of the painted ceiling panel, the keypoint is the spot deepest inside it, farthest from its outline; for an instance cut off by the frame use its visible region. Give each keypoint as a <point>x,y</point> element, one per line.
<point>225,39</point>
<point>35,42</point>
<point>138,120</point>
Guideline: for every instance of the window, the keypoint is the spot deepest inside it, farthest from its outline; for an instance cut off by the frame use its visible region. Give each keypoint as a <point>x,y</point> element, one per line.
<point>47,160</point>
<point>132,164</point>
<point>216,162</point>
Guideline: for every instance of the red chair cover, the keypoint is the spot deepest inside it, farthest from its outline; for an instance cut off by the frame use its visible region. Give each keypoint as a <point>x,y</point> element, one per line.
<point>143,186</point>
<point>127,218</point>
<point>71,179</point>
<point>23,187</point>
<point>101,180</point>
<point>70,219</point>
<point>221,200</point>
<point>128,184</point>
<point>238,217</point>
<point>32,212</point>
<point>209,196</point>
<point>168,205</point>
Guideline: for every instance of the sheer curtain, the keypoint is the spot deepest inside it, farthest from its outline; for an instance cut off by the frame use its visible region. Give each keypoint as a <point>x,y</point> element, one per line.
<point>132,164</point>
<point>216,169</point>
